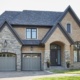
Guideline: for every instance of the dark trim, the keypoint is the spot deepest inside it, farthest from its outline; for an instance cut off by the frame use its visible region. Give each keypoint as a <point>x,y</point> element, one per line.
<point>11,29</point>
<point>77,49</point>
<point>33,26</point>
<point>66,34</point>
<point>31,42</point>
<point>69,9</point>
<point>31,33</point>
<point>57,51</point>
<point>46,37</point>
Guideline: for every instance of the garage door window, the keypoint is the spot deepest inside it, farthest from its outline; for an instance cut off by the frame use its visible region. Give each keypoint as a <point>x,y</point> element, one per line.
<point>7,55</point>
<point>31,55</point>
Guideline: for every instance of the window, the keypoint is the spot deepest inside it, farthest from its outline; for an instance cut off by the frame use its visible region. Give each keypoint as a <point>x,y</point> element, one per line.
<point>31,33</point>
<point>69,28</point>
<point>77,52</point>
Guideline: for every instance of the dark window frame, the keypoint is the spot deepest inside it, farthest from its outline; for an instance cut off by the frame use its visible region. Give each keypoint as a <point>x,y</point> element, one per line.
<point>31,33</point>
<point>77,49</point>
<point>68,27</point>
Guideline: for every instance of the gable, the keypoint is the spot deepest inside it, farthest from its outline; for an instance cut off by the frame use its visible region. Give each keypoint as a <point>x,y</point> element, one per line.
<point>57,35</point>
<point>51,31</point>
<point>69,19</point>
<point>7,32</point>
<point>75,28</point>
<point>69,13</point>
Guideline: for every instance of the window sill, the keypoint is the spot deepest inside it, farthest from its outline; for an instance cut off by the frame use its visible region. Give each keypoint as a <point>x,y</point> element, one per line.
<point>31,39</point>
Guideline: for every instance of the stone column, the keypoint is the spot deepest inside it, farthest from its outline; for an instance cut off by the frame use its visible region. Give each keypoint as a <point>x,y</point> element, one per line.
<point>46,55</point>
<point>19,60</point>
<point>66,54</point>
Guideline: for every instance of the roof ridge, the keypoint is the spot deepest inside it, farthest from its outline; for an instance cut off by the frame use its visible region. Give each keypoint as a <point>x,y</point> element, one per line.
<point>43,11</point>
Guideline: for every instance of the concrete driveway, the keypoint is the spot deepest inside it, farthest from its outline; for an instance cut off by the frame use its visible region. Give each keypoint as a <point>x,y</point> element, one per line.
<point>26,75</point>
<point>30,75</point>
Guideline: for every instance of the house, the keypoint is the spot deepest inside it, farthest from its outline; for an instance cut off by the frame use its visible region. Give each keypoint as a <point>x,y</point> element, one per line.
<point>29,39</point>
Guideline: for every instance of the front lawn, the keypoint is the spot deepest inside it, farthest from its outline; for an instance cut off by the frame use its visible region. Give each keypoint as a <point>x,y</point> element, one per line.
<point>66,71</point>
<point>60,78</point>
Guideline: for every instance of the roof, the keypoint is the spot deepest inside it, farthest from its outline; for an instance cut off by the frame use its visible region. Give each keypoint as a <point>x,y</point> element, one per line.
<point>31,42</point>
<point>8,16</point>
<point>27,17</point>
<point>36,18</point>
<point>46,37</point>
<point>12,30</point>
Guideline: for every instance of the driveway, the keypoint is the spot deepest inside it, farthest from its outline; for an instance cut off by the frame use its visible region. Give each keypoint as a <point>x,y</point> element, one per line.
<point>23,75</point>
<point>29,75</point>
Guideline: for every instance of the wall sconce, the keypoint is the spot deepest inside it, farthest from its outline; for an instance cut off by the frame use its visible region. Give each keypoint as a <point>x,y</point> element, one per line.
<point>5,43</point>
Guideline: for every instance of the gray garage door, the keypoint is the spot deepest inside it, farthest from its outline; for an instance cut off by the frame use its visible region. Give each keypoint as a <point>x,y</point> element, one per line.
<point>31,62</point>
<point>7,62</point>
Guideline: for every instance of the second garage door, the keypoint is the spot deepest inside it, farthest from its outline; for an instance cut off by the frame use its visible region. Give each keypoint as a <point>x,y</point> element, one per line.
<point>31,61</point>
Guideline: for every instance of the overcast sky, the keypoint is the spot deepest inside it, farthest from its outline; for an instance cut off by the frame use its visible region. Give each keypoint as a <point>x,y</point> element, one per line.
<point>46,5</point>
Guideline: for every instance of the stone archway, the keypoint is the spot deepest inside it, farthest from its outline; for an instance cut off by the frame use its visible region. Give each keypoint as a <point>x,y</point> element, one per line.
<point>57,53</point>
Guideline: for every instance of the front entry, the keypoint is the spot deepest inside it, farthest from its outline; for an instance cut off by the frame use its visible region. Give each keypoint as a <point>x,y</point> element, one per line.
<point>55,55</point>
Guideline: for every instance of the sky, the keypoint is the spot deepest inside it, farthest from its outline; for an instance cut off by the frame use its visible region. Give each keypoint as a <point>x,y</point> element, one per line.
<point>41,5</point>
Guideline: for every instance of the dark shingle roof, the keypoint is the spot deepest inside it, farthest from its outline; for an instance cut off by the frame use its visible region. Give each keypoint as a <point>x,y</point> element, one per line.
<point>8,16</point>
<point>31,42</point>
<point>37,18</point>
<point>27,17</point>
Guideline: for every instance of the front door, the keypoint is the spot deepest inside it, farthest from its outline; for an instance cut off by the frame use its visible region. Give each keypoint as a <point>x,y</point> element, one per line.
<point>55,55</point>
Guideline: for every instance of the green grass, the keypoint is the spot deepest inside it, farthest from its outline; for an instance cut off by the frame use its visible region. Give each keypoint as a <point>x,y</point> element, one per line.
<point>59,78</point>
<point>66,71</point>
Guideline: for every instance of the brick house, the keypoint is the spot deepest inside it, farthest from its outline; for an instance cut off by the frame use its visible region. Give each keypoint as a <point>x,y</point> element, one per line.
<point>28,39</point>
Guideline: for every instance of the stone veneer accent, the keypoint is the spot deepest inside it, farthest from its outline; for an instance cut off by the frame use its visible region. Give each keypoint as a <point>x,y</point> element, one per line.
<point>57,36</point>
<point>13,46</point>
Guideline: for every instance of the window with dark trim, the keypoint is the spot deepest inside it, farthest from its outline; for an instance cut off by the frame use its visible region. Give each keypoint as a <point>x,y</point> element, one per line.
<point>69,28</point>
<point>31,33</point>
<point>77,51</point>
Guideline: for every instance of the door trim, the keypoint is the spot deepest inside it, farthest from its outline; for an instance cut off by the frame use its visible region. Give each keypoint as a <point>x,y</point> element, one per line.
<point>57,53</point>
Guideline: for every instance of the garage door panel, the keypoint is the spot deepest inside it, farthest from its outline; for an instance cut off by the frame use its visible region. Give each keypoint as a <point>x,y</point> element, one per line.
<point>26,64</point>
<point>31,62</point>
<point>36,64</point>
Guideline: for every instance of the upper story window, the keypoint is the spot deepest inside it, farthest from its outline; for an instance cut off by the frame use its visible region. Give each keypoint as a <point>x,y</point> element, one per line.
<point>69,28</point>
<point>31,33</point>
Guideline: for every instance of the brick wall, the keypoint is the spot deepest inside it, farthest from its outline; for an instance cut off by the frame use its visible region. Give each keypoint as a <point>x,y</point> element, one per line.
<point>21,31</point>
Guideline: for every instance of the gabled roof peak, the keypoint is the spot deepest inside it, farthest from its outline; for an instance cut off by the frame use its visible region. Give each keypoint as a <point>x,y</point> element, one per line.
<point>5,22</point>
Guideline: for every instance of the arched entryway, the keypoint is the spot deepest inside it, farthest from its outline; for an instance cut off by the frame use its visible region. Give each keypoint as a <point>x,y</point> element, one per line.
<point>55,54</point>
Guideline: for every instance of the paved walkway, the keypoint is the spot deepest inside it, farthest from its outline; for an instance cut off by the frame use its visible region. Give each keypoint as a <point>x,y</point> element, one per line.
<point>30,75</point>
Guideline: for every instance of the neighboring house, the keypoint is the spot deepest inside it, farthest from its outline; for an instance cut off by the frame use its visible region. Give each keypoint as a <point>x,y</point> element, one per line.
<point>28,39</point>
